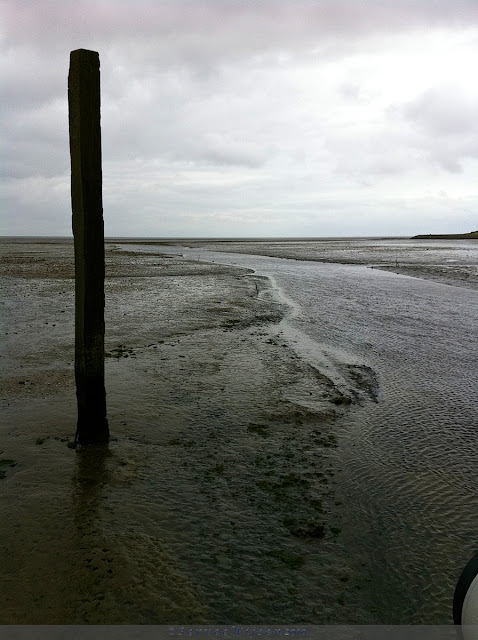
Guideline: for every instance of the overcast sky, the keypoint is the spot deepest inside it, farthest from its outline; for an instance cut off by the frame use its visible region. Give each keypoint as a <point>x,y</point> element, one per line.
<point>247,118</point>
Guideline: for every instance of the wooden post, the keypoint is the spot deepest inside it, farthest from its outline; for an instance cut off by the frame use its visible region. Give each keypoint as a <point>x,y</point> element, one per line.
<point>88,232</point>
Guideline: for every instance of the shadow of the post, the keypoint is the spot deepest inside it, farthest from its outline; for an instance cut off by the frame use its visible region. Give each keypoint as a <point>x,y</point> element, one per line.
<point>89,481</point>
<point>93,572</point>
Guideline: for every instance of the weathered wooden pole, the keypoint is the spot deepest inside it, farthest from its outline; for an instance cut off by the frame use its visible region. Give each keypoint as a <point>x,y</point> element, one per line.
<point>88,232</point>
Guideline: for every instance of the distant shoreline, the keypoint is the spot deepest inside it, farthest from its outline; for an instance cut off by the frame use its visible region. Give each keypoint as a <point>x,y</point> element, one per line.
<point>473,235</point>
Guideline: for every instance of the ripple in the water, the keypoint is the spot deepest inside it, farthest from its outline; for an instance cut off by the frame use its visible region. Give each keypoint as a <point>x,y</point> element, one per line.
<point>408,462</point>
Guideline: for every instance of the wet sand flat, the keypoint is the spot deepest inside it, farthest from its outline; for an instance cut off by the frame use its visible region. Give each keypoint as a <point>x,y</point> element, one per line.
<point>214,501</point>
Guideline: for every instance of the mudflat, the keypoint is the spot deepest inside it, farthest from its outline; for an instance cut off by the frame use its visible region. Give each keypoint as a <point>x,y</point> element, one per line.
<point>214,501</point>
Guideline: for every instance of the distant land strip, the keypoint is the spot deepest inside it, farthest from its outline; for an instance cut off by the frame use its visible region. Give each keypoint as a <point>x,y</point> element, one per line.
<point>448,236</point>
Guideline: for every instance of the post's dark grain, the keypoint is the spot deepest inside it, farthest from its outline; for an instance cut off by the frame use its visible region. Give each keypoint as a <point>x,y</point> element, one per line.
<point>88,232</point>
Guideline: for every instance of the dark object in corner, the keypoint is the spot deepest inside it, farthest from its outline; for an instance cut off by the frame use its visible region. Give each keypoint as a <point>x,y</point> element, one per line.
<point>465,600</point>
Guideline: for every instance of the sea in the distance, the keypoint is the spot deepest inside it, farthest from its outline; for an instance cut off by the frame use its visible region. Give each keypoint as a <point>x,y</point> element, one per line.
<point>407,458</point>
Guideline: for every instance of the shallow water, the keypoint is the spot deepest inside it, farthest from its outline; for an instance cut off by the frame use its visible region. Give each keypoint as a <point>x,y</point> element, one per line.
<point>452,261</point>
<point>223,496</point>
<point>407,463</point>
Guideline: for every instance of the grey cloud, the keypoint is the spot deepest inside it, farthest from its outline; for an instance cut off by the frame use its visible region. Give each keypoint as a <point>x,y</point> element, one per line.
<point>349,91</point>
<point>35,140</point>
<point>23,158</point>
<point>205,31</point>
<point>372,153</point>
<point>446,127</point>
<point>223,152</point>
<point>35,207</point>
<point>176,117</point>
<point>28,78</point>
<point>444,111</point>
